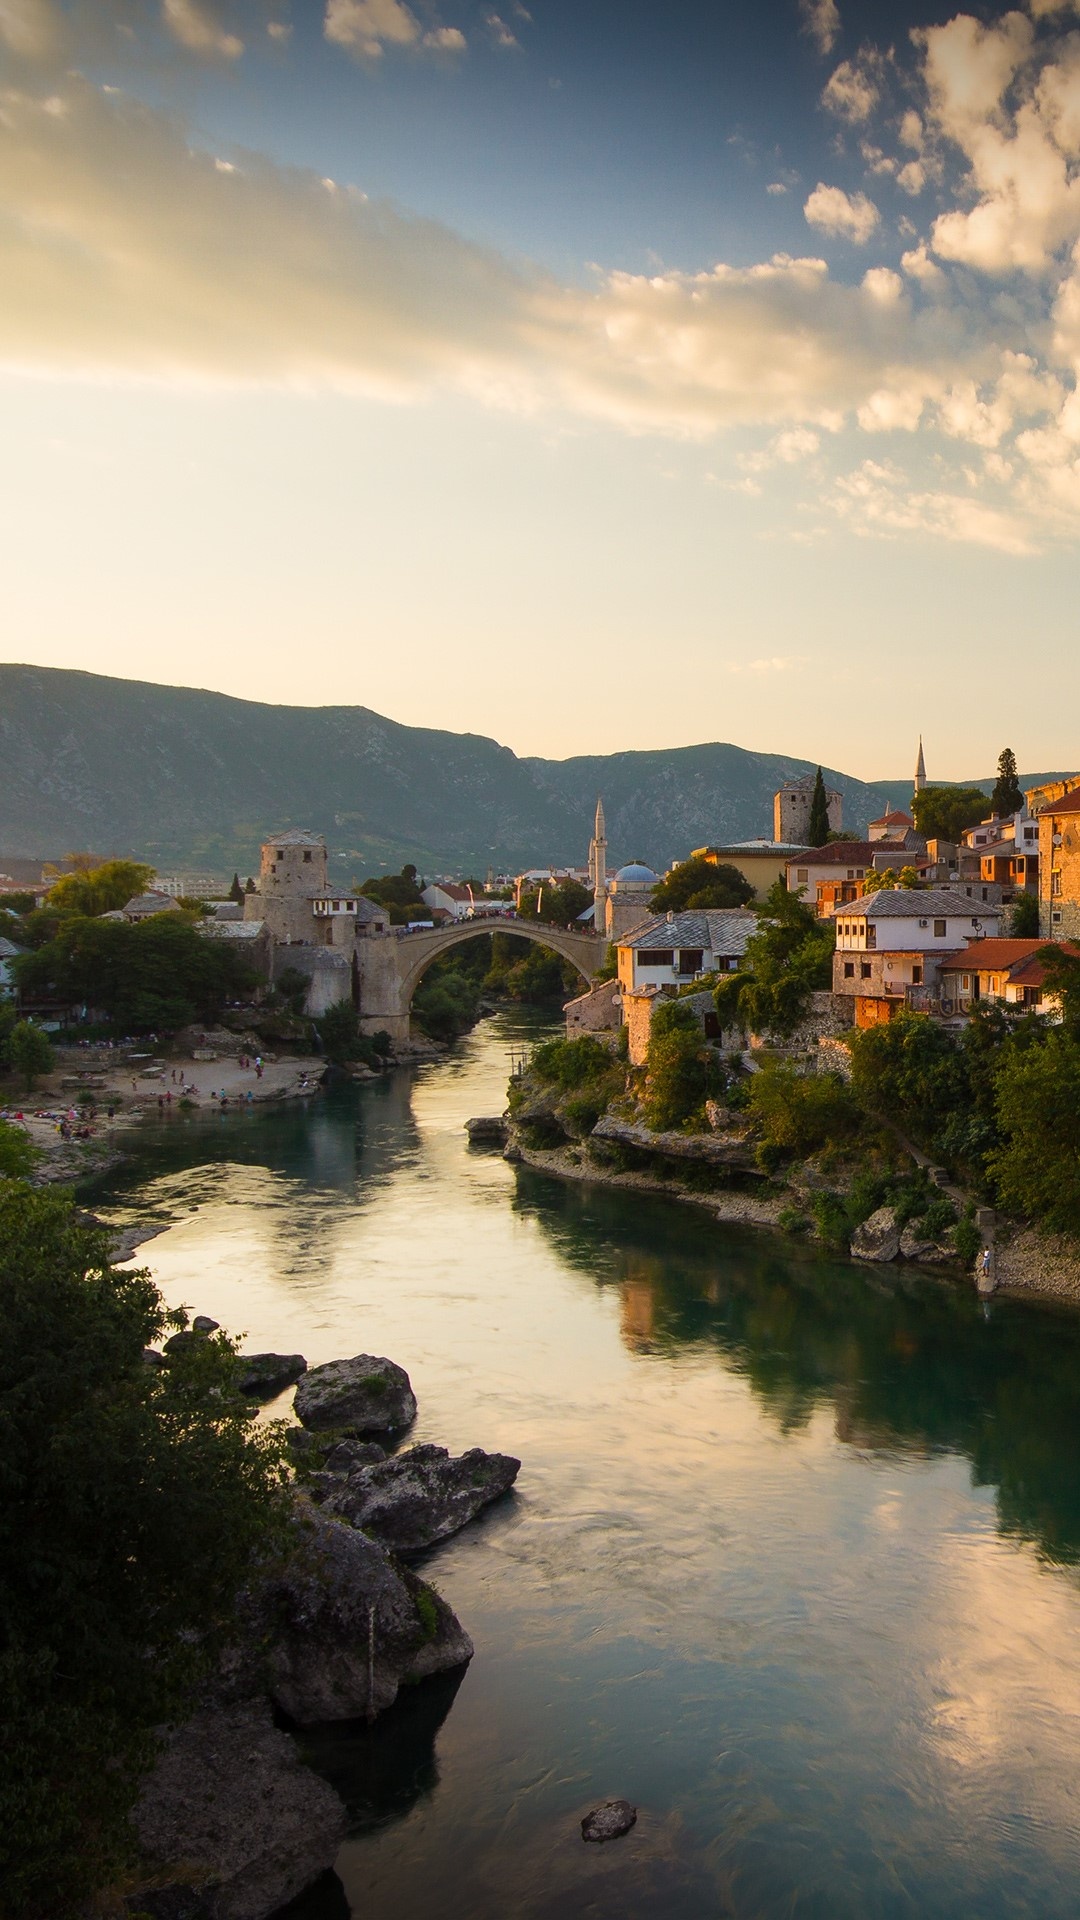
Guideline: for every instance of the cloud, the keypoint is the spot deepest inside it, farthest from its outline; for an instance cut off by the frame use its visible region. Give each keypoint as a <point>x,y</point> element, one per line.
<point>853,92</point>
<point>194,26</point>
<point>769,664</point>
<point>500,33</point>
<point>31,28</point>
<point>847,216</point>
<point>279,29</point>
<point>821,20</point>
<point>366,27</point>
<point>876,499</point>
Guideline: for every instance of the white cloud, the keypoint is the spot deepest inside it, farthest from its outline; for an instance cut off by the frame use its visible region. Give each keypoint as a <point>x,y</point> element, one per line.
<point>776,186</point>
<point>821,20</point>
<point>445,39</point>
<point>876,499</point>
<point>501,34</point>
<point>849,216</point>
<point>768,664</point>
<point>31,28</point>
<point>195,27</point>
<point>365,26</point>
<point>279,29</point>
<point>852,93</point>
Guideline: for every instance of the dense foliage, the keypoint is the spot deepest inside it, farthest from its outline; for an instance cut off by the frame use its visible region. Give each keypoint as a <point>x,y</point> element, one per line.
<point>156,975</point>
<point>698,883</point>
<point>132,1501</point>
<point>798,1114</point>
<point>817,831</point>
<point>17,1156</point>
<point>1036,1167</point>
<point>944,813</point>
<point>93,890</point>
<point>29,1052</point>
<point>559,906</point>
<point>400,893</point>
<point>787,959</point>
<point>681,1070</point>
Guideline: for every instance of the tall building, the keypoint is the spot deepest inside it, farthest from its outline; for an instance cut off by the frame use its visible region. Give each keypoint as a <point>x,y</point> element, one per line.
<point>598,867</point>
<point>791,810</point>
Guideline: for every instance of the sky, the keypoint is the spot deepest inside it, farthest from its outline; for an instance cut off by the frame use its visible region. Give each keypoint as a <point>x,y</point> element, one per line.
<point>590,375</point>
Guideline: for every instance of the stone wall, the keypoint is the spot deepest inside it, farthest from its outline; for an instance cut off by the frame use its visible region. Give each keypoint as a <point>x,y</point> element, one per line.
<point>598,1011</point>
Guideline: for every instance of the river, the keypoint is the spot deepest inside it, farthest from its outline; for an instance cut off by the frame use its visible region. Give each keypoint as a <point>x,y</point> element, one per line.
<point>793,1558</point>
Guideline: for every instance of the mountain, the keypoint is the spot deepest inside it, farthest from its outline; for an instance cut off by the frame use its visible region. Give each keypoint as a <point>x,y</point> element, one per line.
<point>186,778</point>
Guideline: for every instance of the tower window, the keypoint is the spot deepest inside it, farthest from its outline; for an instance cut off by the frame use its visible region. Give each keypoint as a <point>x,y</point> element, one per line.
<point>307,857</point>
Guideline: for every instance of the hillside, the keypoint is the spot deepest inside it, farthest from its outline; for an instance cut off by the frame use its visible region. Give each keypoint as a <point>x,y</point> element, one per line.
<point>189,778</point>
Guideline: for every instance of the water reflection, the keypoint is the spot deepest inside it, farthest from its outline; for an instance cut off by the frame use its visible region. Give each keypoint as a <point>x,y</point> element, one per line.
<point>907,1363</point>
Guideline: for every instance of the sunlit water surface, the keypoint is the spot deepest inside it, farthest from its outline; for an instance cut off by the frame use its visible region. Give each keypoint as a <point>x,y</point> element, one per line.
<point>792,1558</point>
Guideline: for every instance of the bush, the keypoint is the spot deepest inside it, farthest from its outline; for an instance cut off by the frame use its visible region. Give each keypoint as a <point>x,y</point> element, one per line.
<point>966,1237</point>
<point>132,1503</point>
<point>678,1068</point>
<point>571,1063</point>
<point>798,1113</point>
<point>1037,1167</point>
<point>29,1052</point>
<point>938,1220</point>
<point>17,1155</point>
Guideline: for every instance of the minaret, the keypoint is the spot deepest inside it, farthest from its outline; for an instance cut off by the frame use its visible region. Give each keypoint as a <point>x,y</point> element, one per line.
<point>920,769</point>
<point>598,870</point>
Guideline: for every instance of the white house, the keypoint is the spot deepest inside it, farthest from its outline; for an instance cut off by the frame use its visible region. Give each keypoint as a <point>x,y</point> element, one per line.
<point>890,945</point>
<point>461,903</point>
<point>673,948</point>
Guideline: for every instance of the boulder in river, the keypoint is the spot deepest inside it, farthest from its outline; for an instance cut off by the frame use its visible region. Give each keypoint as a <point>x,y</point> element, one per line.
<point>419,1497</point>
<point>230,1805</point>
<point>263,1374</point>
<point>877,1238</point>
<point>363,1395</point>
<point>487,1130</point>
<point>344,1626</point>
<point>609,1821</point>
<point>928,1253</point>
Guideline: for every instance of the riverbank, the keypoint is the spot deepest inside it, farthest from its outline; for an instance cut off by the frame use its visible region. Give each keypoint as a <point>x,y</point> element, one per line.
<point>573,1163</point>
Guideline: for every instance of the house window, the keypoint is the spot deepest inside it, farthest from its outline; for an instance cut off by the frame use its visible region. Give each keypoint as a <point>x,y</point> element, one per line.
<point>307,857</point>
<point>851,873</point>
<point>278,855</point>
<point>871,937</point>
<point>849,969</point>
<point>939,929</point>
<point>965,983</point>
<point>1055,885</point>
<point>916,976</point>
<point>656,957</point>
<point>1055,916</point>
<point>802,873</point>
<point>865,969</point>
<point>690,959</point>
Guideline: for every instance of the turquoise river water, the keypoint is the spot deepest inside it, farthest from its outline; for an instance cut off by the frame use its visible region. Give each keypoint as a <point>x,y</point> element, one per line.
<point>793,1558</point>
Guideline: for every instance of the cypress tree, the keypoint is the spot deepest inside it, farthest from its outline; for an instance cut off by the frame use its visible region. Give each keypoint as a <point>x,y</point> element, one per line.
<point>818,831</point>
<point>236,891</point>
<point>1007,797</point>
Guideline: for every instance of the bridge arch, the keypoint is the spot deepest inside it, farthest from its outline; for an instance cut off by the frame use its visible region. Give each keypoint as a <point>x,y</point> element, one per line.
<point>583,950</point>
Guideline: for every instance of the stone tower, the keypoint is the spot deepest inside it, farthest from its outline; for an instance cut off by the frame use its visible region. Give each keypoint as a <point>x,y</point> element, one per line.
<point>598,868</point>
<point>292,869</point>
<point>791,810</point>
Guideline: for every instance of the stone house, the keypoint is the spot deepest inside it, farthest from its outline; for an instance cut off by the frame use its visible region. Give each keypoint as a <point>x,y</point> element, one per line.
<point>999,972</point>
<point>890,944</point>
<point>823,876</point>
<point>1057,807</point>
<point>893,825</point>
<point>792,804</point>
<point>598,1010</point>
<point>674,948</point>
<point>638,1010</point>
<point>143,906</point>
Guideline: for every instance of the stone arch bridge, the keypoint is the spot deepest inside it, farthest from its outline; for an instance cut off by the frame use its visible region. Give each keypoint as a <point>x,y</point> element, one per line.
<point>389,967</point>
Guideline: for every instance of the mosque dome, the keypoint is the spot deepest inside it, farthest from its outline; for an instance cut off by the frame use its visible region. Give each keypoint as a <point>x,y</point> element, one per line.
<point>637,875</point>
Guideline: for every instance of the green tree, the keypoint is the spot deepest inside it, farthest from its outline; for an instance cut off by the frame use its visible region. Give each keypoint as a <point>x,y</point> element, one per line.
<point>698,883</point>
<point>155,976</point>
<point>236,891</point>
<point>1037,1166</point>
<point>1061,972</point>
<point>339,1031</point>
<point>17,1155</point>
<point>97,890</point>
<point>677,1077</point>
<point>29,1052</point>
<point>132,1503</point>
<point>797,1113</point>
<point>558,905</point>
<point>787,959</point>
<point>817,832</point>
<point>908,878</point>
<point>400,893</point>
<point>877,881</point>
<point>944,813</point>
<point>1024,920</point>
<point>1006,797</point>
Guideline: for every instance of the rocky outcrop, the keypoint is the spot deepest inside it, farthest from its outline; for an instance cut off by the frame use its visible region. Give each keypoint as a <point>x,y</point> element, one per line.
<point>344,1626</point>
<point>261,1375</point>
<point>231,1811</point>
<point>487,1131</point>
<point>418,1497</point>
<point>732,1149</point>
<point>609,1821</point>
<point>927,1253</point>
<point>878,1238</point>
<point>363,1395</point>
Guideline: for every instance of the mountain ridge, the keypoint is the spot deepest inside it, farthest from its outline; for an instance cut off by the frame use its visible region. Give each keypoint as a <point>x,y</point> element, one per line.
<point>187,777</point>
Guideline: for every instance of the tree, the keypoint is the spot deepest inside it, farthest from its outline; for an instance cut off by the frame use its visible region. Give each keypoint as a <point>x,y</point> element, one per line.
<point>787,959</point>
<point>17,1155</point>
<point>678,1075</point>
<point>399,893</point>
<point>133,1502</point>
<point>908,878</point>
<point>817,831</point>
<point>944,813</point>
<point>236,891</point>
<point>155,976</point>
<point>1006,797</point>
<point>1025,917</point>
<point>339,1031</point>
<point>559,905</point>
<point>29,1052</point>
<point>1037,1167</point>
<point>1061,975</point>
<point>99,889</point>
<point>698,883</point>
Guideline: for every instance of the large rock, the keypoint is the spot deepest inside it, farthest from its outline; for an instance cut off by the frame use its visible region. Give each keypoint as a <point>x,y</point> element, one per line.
<point>263,1374</point>
<point>344,1626</point>
<point>928,1253</point>
<point>362,1395</point>
<point>418,1497</point>
<point>878,1238</point>
<point>230,1808</point>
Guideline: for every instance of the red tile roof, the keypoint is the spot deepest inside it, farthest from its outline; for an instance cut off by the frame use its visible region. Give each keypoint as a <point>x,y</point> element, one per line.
<point>1069,803</point>
<point>1017,958</point>
<point>894,819</point>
